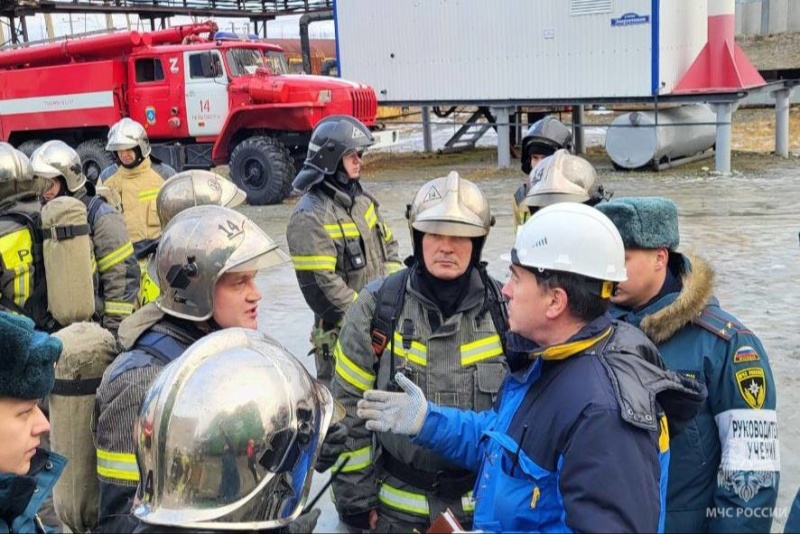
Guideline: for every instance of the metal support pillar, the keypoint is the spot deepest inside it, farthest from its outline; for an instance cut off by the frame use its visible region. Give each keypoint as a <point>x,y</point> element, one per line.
<point>765,5</point>
<point>24,28</point>
<point>579,139</point>
<point>722,151</point>
<point>427,140</point>
<point>782,97</point>
<point>502,116</point>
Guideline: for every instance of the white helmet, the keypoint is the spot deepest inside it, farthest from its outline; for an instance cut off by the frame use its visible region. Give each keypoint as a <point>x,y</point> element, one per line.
<point>571,238</point>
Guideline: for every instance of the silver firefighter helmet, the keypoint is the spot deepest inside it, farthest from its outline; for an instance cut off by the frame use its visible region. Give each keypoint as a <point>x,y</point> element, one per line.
<point>562,177</point>
<point>450,205</point>
<point>233,390</point>
<point>197,247</point>
<point>16,173</point>
<point>56,158</point>
<point>127,134</point>
<point>195,188</point>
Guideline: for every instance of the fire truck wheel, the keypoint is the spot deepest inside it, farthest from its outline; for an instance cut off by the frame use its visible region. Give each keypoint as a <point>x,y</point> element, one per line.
<point>263,168</point>
<point>94,158</point>
<point>29,146</point>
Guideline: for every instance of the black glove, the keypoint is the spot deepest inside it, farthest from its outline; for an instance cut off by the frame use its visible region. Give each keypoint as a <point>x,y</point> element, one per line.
<point>335,444</point>
<point>356,521</point>
<point>305,523</point>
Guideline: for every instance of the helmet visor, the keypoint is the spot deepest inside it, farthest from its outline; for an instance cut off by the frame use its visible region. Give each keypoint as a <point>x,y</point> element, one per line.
<point>42,184</point>
<point>264,260</point>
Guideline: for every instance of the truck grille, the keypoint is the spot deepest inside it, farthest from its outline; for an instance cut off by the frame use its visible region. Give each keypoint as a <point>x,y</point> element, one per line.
<point>365,105</point>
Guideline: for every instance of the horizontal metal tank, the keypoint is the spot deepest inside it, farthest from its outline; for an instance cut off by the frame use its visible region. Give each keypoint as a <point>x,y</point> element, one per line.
<point>633,140</point>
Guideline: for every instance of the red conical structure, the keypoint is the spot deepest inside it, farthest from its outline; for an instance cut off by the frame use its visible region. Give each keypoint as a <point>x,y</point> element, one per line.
<point>721,66</point>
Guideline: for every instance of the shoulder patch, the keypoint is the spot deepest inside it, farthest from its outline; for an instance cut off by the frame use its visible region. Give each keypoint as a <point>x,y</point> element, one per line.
<point>752,384</point>
<point>719,325</point>
<point>745,353</point>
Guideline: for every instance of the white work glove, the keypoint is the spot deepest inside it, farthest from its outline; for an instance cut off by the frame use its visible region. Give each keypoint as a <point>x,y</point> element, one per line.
<point>400,413</point>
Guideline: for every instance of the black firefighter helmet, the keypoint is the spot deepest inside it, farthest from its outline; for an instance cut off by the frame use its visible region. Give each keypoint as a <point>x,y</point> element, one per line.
<point>332,138</point>
<point>545,136</point>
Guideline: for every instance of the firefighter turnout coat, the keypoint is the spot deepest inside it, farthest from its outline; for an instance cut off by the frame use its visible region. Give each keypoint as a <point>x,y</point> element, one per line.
<point>118,284</point>
<point>151,340</point>
<point>138,188</point>
<point>458,362</point>
<point>338,244</point>
<point>21,266</point>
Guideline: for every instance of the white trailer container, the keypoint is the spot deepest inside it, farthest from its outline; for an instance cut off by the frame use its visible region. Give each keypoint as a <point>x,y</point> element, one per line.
<point>518,51</point>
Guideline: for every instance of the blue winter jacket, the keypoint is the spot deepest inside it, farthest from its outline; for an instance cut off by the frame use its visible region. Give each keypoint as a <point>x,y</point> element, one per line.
<point>738,422</point>
<point>22,496</point>
<point>793,521</point>
<point>576,442</point>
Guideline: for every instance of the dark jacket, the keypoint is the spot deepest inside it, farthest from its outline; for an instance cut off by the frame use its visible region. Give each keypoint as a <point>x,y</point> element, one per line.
<point>723,477</point>
<point>153,340</point>
<point>793,521</point>
<point>117,270</point>
<point>22,496</point>
<point>578,440</point>
<point>338,244</point>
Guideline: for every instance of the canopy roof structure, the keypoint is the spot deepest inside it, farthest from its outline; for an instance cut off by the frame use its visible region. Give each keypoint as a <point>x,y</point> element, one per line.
<point>258,11</point>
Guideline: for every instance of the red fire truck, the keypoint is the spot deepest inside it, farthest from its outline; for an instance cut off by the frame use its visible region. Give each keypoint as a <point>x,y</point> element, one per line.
<point>204,100</point>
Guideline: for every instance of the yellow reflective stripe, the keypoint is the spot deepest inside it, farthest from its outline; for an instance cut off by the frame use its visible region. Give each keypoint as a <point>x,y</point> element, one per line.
<point>359,459</point>
<point>117,465</point>
<point>393,266</point>
<point>148,194</point>
<point>663,437</point>
<point>482,349</point>
<point>148,288</point>
<point>16,251</point>
<point>414,503</point>
<point>370,216</point>
<point>468,502</point>
<point>115,257</point>
<point>417,353</point>
<point>350,372</point>
<point>338,231</point>
<point>387,233</point>
<point>117,308</point>
<point>314,263</point>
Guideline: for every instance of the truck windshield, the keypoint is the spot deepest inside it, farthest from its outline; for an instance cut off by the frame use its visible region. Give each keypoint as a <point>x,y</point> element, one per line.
<point>243,61</point>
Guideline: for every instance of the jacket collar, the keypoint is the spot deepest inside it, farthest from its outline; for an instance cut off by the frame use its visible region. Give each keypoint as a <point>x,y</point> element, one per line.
<point>143,168</point>
<point>475,293</point>
<point>17,492</point>
<point>336,195</point>
<point>663,318</point>
<point>591,334</point>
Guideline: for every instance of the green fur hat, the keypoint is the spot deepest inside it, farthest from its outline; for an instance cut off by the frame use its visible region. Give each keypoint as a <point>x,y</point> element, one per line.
<point>27,358</point>
<point>644,222</point>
